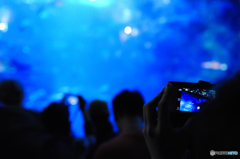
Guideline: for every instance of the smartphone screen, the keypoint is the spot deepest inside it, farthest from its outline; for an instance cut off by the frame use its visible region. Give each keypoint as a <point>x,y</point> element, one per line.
<point>192,99</point>
<point>71,100</point>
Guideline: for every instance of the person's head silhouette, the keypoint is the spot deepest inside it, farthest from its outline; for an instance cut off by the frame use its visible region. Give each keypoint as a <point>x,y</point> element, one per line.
<point>128,110</point>
<point>56,120</point>
<point>98,111</point>
<point>11,93</point>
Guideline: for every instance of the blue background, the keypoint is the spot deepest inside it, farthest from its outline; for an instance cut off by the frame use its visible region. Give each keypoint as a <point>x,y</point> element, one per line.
<point>53,47</point>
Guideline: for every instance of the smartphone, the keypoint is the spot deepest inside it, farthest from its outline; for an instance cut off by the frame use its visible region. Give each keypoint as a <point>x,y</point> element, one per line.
<point>191,97</point>
<point>71,99</point>
<point>187,99</point>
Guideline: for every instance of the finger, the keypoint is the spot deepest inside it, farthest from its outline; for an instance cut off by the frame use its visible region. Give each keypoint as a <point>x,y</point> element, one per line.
<point>150,113</point>
<point>156,99</point>
<point>163,112</point>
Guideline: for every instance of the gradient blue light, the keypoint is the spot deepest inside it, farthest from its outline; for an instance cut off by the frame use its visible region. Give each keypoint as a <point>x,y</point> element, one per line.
<point>54,47</point>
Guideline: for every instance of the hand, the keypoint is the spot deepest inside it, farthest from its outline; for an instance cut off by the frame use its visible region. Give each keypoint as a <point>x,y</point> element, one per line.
<point>162,140</point>
<point>81,103</point>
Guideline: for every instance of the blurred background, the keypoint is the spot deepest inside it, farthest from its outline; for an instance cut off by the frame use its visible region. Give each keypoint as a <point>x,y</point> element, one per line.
<point>96,48</point>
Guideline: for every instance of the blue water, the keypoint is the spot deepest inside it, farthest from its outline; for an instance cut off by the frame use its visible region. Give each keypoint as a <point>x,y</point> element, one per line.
<point>81,47</point>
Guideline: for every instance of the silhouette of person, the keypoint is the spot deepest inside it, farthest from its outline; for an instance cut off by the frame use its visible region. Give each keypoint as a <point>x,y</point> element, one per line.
<point>130,143</point>
<point>99,114</point>
<point>11,93</point>
<point>96,124</point>
<point>22,135</point>
<point>55,118</point>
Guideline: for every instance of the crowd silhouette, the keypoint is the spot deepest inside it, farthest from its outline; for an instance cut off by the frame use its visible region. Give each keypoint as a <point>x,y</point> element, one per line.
<point>27,134</point>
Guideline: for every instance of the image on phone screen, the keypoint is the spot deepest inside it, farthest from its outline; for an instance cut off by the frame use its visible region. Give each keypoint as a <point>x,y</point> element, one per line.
<point>192,100</point>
